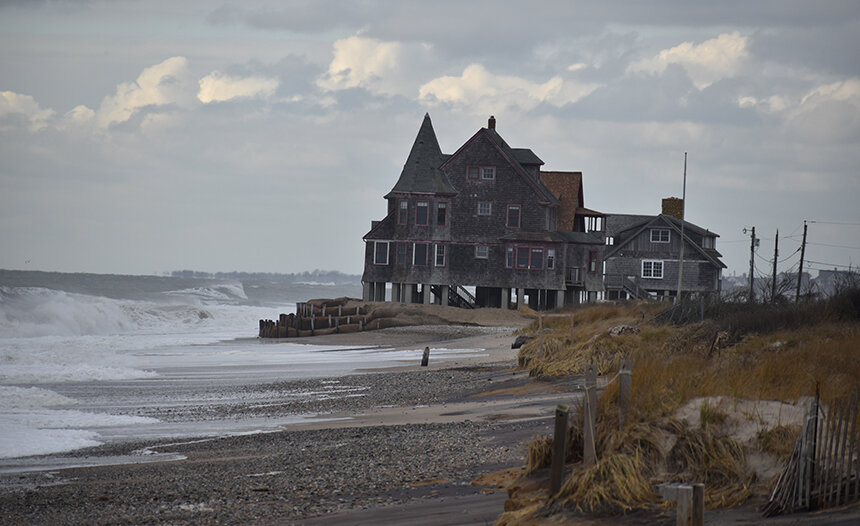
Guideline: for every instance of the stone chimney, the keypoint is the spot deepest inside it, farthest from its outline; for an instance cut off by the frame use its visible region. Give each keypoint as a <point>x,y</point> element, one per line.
<point>673,206</point>
<point>491,124</point>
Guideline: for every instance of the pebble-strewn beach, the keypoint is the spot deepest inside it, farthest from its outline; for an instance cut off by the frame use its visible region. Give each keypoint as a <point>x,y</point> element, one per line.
<point>411,438</point>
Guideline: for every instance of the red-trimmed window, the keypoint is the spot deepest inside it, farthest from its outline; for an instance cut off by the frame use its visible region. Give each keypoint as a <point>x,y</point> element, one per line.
<point>482,252</point>
<point>419,254</point>
<point>537,259</point>
<point>513,216</point>
<point>485,208</point>
<point>473,172</point>
<point>523,257</point>
<point>442,214</point>
<point>422,212</point>
<point>401,253</point>
<point>592,261</point>
<point>403,214</point>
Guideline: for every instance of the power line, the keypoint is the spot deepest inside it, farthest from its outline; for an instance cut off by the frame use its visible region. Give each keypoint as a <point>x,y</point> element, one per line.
<point>830,264</point>
<point>828,245</point>
<point>834,223</point>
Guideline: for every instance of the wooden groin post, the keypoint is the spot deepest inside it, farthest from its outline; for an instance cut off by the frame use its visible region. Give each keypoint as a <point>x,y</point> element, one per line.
<point>559,449</point>
<point>625,387</point>
<point>425,358</point>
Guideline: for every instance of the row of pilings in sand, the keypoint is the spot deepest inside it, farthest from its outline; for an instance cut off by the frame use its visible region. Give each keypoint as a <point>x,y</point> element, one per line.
<point>318,317</point>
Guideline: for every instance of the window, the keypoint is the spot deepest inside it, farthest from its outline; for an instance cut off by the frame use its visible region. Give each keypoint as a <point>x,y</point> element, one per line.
<point>421,213</point>
<point>537,258</point>
<point>708,242</point>
<point>652,269</point>
<point>473,172</point>
<point>522,257</point>
<point>441,214</point>
<point>550,258</point>
<point>610,240</point>
<point>485,208</point>
<point>593,224</point>
<point>513,216</point>
<point>380,252</point>
<point>509,258</point>
<point>488,173</point>
<point>660,235</point>
<point>440,255</point>
<point>404,212</point>
<point>482,252</point>
<point>592,261</point>
<point>419,254</point>
<point>401,253</point>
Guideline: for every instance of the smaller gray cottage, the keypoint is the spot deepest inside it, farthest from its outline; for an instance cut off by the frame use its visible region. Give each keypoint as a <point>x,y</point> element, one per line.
<point>642,257</point>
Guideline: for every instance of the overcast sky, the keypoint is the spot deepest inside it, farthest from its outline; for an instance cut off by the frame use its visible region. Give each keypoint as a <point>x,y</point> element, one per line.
<point>142,137</point>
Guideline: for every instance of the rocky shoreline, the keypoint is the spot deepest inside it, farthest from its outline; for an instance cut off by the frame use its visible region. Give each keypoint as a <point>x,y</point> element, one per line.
<point>291,475</point>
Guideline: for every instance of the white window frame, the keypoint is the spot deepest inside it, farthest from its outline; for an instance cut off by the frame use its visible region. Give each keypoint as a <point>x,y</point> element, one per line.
<point>660,236</point>
<point>489,208</point>
<point>482,248</point>
<point>376,252</point>
<point>652,264</point>
<point>549,259</point>
<point>440,251</point>
<point>488,173</point>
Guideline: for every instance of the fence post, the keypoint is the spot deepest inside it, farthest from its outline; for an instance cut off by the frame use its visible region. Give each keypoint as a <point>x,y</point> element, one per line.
<point>559,449</point>
<point>540,333</point>
<point>625,386</point>
<point>589,455</point>
<point>591,390</point>
<point>698,505</point>
<point>685,506</point>
<point>571,328</point>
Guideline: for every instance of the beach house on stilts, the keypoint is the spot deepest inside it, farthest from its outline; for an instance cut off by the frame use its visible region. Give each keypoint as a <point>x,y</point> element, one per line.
<point>485,227</point>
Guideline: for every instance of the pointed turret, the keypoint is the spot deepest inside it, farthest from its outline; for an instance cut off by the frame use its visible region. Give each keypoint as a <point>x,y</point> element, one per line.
<point>421,173</point>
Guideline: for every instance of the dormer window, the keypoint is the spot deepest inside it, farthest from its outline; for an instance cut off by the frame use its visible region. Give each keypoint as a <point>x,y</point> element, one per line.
<point>659,235</point>
<point>708,242</point>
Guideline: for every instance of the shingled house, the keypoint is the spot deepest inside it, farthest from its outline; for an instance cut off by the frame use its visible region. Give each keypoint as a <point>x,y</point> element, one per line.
<point>642,257</point>
<point>483,218</point>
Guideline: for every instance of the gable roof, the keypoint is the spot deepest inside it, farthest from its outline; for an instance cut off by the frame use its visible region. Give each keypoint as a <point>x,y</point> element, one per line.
<point>421,173</point>
<point>512,156</point>
<point>567,188</point>
<point>641,223</point>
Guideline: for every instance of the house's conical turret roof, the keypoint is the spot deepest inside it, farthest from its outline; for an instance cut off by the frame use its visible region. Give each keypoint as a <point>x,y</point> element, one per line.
<point>421,173</point>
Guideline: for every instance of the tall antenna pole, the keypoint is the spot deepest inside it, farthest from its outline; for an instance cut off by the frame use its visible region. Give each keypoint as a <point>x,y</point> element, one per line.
<point>775,256</point>
<point>683,218</point>
<point>800,270</point>
<point>751,297</point>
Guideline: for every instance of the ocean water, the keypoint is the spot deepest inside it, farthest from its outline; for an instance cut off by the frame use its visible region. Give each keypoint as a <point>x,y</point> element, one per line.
<point>85,358</point>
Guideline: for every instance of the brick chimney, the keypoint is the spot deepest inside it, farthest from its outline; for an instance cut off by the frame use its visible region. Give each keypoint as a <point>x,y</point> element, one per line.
<point>673,206</point>
<point>491,123</point>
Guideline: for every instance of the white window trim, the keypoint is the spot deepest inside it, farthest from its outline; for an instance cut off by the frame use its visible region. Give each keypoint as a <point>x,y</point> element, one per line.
<point>436,256</point>
<point>488,169</point>
<point>550,257</point>
<point>489,206</point>
<point>387,252</point>
<point>486,254</point>
<point>652,261</point>
<point>668,239</point>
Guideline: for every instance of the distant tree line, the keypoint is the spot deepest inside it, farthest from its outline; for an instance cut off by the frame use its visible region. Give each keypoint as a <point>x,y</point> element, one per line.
<point>321,276</point>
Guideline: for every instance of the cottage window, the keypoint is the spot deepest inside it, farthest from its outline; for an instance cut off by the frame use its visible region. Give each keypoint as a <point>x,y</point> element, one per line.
<point>513,216</point>
<point>488,173</point>
<point>440,255</point>
<point>404,212</point>
<point>592,261</point>
<point>380,252</point>
<point>610,240</point>
<point>485,208</point>
<point>660,235</point>
<point>522,257</point>
<point>707,242</point>
<point>652,269</point>
<point>482,252</point>
<point>473,172</point>
<point>421,212</point>
<point>419,254</point>
<point>441,214</point>
<point>509,257</point>
<point>537,258</point>
<point>550,258</point>
<point>401,253</point>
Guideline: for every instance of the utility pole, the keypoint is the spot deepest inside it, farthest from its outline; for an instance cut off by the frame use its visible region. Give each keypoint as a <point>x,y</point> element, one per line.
<point>751,297</point>
<point>775,256</point>
<point>683,218</point>
<point>800,270</point>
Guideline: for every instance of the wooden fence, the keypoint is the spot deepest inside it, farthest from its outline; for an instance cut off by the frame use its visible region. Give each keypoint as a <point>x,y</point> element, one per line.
<point>824,468</point>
